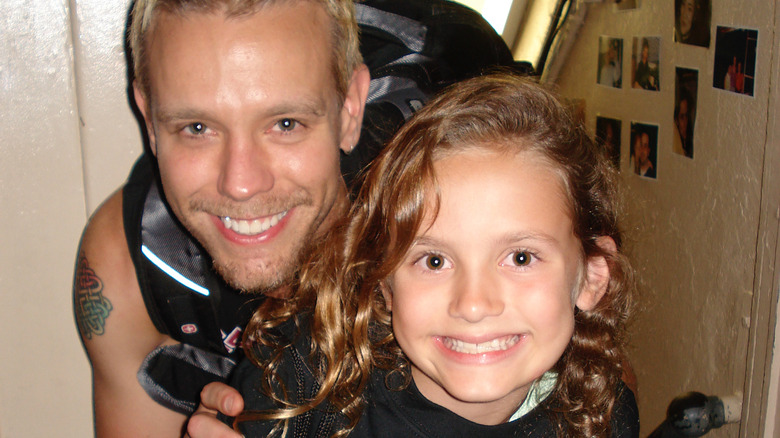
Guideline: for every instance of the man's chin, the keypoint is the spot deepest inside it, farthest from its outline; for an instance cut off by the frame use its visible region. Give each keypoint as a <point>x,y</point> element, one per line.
<point>247,280</point>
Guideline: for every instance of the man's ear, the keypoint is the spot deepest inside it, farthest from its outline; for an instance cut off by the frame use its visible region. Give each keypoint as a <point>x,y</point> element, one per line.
<point>596,276</point>
<point>143,105</point>
<point>354,106</point>
<point>387,293</point>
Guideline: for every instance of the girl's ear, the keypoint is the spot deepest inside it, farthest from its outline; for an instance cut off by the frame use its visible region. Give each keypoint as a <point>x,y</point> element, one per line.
<point>597,276</point>
<point>387,293</point>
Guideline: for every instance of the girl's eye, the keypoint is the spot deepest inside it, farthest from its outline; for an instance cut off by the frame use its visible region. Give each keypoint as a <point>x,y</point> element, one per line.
<point>521,258</point>
<point>196,128</point>
<point>434,262</point>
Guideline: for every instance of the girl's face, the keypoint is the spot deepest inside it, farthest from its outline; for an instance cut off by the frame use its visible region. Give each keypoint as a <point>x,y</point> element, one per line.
<point>483,302</point>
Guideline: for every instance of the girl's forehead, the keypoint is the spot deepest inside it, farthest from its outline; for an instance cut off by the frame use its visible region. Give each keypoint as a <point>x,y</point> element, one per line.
<point>449,169</point>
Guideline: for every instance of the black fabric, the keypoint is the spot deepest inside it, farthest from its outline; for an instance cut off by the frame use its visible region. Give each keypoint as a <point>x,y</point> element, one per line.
<point>187,316</point>
<point>392,414</point>
<point>174,374</point>
<point>413,49</point>
<point>209,326</point>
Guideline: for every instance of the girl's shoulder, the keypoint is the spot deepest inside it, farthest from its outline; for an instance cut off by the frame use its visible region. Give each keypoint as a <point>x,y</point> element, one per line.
<point>625,417</point>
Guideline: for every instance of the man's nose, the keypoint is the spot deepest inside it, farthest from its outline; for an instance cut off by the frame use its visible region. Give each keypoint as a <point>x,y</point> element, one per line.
<point>247,169</point>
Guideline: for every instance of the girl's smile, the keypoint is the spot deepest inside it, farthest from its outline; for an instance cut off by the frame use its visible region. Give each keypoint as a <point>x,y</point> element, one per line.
<point>483,302</point>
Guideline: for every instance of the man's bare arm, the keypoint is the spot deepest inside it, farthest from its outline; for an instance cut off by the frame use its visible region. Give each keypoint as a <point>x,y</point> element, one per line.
<point>116,331</point>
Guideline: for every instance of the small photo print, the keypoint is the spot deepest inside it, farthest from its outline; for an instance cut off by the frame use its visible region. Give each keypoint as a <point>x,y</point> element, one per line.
<point>644,149</point>
<point>735,60</point>
<point>692,22</point>
<point>608,135</point>
<point>610,62</point>
<point>624,5</point>
<point>645,63</point>
<point>686,85</point>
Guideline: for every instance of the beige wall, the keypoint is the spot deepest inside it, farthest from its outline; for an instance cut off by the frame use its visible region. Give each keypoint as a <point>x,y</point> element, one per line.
<point>67,141</point>
<point>705,245</point>
<point>703,235</point>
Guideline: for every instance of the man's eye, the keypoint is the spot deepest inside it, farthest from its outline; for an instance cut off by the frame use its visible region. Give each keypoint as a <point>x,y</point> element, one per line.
<point>196,128</point>
<point>286,125</point>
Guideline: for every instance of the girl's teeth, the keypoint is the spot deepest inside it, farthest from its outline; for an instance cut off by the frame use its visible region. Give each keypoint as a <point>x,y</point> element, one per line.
<point>500,344</point>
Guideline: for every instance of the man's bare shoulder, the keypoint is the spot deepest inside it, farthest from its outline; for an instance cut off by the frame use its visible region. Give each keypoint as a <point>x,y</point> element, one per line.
<point>107,299</point>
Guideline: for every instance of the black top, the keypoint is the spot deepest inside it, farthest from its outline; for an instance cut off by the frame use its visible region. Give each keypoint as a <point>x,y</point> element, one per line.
<point>398,413</point>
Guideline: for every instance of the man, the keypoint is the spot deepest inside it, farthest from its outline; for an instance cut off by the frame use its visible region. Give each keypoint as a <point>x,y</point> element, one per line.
<point>683,125</point>
<point>247,108</point>
<point>610,72</point>
<point>643,166</point>
<point>645,76</point>
<point>689,28</point>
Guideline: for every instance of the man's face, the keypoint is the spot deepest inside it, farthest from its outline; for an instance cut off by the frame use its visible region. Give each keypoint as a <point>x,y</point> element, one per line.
<point>644,148</point>
<point>682,118</point>
<point>686,15</point>
<point>246,125</point>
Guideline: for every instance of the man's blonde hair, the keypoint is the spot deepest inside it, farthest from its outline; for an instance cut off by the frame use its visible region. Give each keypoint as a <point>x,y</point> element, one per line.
<point>344,31</point>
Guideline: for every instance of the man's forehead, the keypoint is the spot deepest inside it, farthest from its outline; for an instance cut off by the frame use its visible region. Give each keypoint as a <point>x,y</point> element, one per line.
<point>257,56</point>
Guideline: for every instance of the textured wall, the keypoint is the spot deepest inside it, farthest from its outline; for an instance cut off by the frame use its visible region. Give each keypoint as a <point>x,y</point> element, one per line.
<point>43,370</point>
<point>69,139</point>
<point>62,88</point>
<point>692,231</point>
<point>110,133</point>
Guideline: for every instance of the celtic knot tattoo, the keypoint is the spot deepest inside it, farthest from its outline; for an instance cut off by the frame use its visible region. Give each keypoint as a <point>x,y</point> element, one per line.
<point>92,308</point>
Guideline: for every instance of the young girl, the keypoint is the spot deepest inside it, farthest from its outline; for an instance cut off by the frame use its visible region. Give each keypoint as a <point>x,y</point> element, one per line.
<point>476,288</point>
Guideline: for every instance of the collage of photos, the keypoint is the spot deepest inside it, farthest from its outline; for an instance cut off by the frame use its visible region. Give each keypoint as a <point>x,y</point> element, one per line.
<point>734,71</point>
<point>692,22</point>
<point>645,62</point>
<point>610,72</point>
<point>735,60</point>
<point>644,149</point>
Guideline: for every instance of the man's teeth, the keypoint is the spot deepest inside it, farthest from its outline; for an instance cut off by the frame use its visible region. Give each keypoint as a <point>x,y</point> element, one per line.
<point>468,348</point>
<point>256,226</point>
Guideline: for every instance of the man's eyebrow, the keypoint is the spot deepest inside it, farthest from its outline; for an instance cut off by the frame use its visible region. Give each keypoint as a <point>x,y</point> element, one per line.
<point>312,108</point>
<point>166,116</point>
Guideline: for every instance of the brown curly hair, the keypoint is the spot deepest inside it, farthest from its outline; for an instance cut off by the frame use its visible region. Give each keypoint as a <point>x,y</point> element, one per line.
<point>350,325</point>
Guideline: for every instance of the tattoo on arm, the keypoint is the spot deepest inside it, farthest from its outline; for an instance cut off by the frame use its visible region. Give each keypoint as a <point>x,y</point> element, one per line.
<point>92,308</point>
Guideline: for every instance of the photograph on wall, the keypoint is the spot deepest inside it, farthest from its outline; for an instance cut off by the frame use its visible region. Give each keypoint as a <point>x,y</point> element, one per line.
<point>610,63</point>
<point>608,134</point>
<point>645,61</point>
<point>686,85</point>
<point>692,20</point>
<point>644,149</point>
<point>625,5</point>
<point>735,60</point>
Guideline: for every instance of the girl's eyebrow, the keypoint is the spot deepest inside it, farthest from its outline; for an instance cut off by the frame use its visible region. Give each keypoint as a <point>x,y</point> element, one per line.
<point>425,241</point>
<point>534,236</point>
<point>507,239</point>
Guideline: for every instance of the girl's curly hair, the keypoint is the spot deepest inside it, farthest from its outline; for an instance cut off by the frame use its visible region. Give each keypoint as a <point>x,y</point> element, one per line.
<point>341,282</point>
